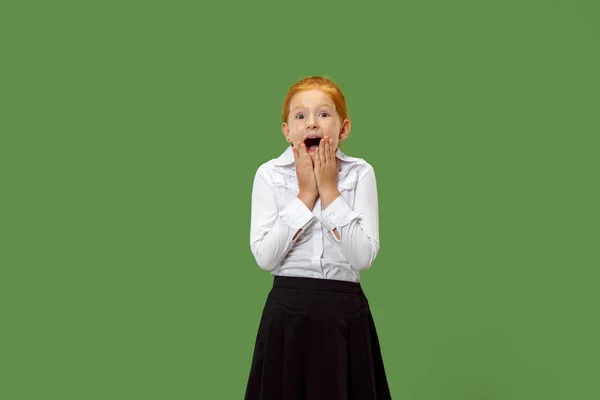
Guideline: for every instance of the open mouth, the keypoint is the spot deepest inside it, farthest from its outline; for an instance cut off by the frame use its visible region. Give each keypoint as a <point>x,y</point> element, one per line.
<point>312,143</point>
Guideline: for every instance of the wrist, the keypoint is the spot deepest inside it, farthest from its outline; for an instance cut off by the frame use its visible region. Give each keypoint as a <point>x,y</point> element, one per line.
<point>308,198</point>
<point>329,193</point>
<point>309,194</point>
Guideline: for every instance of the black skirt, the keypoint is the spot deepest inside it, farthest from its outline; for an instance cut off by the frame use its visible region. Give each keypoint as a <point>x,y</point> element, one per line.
<point>316,340</point>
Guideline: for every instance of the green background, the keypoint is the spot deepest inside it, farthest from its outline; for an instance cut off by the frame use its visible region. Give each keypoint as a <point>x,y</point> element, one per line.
<point>130,136</point>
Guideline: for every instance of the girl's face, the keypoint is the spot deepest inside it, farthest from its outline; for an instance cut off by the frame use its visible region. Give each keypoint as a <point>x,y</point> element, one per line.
<point>313,116</point>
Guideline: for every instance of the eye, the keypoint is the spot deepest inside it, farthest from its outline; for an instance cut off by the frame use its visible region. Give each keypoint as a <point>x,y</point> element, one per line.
<point>327,114</point>
<point>299,115</point>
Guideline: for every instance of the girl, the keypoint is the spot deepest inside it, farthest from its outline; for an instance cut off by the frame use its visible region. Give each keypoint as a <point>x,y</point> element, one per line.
<point>315,227</point>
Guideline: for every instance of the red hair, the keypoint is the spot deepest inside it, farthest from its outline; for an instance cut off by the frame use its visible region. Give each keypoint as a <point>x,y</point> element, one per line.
<point>321,83</point>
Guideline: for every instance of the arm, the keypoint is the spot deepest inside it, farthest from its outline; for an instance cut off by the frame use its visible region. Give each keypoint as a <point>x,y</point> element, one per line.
<point>357,229</point>
<point>308,200</point>
<point>326,200</point>
<point>272,232</point>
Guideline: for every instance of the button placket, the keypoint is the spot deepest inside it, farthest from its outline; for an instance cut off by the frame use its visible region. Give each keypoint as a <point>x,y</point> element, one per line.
<point>319,240</point>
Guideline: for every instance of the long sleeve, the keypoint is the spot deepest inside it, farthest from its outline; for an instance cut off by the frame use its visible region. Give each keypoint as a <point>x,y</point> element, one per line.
<point>358,227</point>
<point>271,229</point>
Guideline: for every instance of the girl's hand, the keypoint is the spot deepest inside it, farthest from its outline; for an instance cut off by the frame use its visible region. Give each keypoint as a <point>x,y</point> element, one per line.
<point>326,169</point>
<point>307,182</point>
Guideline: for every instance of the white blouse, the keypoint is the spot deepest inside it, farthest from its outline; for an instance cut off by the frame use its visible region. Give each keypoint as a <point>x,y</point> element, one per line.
<point>278,214</point>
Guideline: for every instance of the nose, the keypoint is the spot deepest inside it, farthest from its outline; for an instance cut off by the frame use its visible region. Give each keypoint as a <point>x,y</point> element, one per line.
<point>311,123</point>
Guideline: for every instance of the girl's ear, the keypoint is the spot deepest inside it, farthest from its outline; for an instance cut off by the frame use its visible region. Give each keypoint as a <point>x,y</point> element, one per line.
<point>286,131</point>
<point>345,130</point>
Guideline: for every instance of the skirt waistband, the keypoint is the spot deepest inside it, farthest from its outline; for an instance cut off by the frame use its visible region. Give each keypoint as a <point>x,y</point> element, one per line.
<point>329,285</point>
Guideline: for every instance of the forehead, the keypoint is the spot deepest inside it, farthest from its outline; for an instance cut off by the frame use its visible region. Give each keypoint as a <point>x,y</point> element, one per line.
<point>311,98</point>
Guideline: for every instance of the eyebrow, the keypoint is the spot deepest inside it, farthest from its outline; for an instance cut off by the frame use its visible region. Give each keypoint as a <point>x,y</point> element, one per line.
<point>319,106</point>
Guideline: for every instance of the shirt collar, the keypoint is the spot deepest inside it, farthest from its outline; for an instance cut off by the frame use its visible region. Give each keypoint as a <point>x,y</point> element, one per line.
<point>287,157</point>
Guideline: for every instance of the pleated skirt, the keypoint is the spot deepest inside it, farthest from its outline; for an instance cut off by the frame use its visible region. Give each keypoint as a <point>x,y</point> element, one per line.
<point>316,340</point>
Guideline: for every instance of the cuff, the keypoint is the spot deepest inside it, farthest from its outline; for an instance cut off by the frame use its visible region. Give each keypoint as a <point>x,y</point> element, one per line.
<point>337,214</point>
<point>296,215</point>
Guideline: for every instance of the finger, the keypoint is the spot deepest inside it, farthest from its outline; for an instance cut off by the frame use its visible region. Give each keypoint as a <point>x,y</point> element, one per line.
<point>305,152</point>
<point>307,157</point>
<point>331,151</point>
<point>327,151</point>
<point>322,151</point>
<point>311,159</point>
